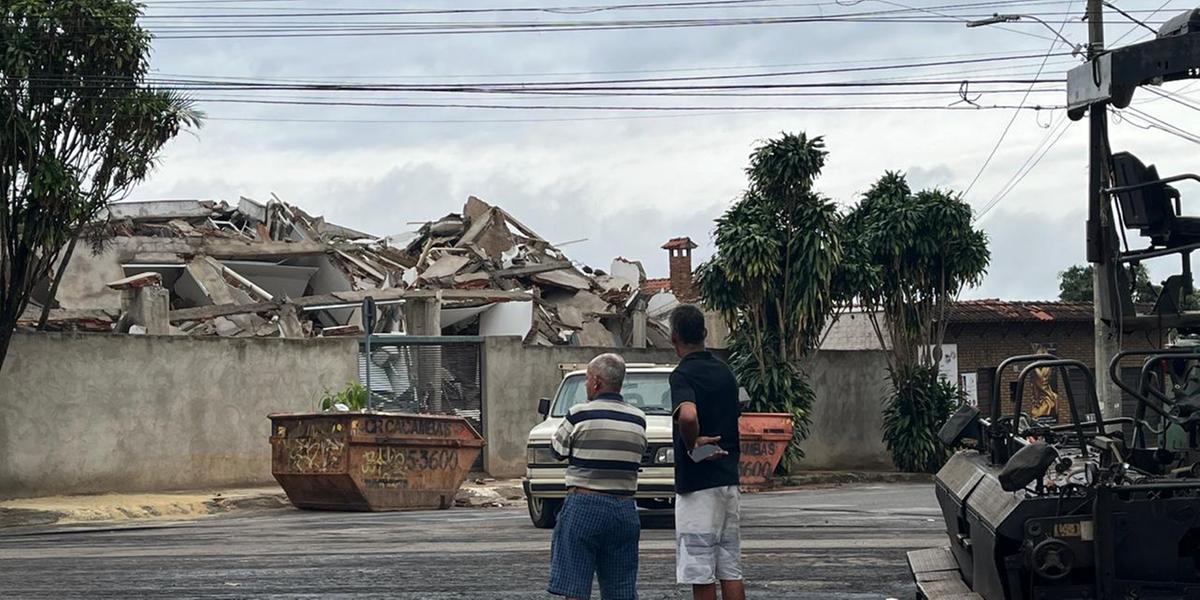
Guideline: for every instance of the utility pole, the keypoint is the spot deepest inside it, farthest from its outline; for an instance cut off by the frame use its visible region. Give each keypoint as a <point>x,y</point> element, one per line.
<point>1100,241</point>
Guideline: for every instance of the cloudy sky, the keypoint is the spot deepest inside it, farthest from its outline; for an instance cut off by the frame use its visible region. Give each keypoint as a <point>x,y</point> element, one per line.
<point>629,180</point>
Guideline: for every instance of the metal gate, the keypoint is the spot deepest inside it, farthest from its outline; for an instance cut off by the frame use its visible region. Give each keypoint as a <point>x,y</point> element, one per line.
<point>432,375</point>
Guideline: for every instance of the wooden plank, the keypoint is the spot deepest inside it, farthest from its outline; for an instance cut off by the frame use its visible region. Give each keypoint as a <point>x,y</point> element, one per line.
<point>932,559</point>
<point>201,313</point>
<point>400,293</point>
<point>532,269</point>
<point>218,248</point>
<point>212,311</point>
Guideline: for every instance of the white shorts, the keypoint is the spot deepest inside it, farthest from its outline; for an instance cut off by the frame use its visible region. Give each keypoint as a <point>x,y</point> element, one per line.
<point>708,545</point>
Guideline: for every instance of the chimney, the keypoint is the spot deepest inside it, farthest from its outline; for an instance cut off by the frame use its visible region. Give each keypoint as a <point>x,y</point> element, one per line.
<point>680,251</point>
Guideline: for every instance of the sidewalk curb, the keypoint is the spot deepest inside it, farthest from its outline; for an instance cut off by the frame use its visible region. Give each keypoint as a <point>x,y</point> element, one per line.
<point>116,508</point>
<point>838,478</point>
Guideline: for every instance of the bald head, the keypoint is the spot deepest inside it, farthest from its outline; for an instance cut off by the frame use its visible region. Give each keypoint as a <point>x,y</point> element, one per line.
<point>606,373</point>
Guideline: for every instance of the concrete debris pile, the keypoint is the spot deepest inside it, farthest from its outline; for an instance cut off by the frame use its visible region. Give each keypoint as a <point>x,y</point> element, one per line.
<point>485,247</point>
<point>273,270</point>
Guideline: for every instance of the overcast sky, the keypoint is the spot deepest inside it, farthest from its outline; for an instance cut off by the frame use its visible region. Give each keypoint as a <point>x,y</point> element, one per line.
<point>629,181</point>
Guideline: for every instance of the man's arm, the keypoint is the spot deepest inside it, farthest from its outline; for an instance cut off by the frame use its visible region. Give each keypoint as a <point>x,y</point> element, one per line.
<point>560,444</point>
<point>683,397</point>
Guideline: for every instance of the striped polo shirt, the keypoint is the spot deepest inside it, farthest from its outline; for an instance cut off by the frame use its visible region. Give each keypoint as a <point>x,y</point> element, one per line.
<point>604,440</point>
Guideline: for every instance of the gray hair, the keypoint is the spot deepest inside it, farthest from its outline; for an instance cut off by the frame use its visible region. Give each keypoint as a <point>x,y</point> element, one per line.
<point>609,368</point>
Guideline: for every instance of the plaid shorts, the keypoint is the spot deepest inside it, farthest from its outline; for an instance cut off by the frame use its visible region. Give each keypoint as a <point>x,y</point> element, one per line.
<point>595,536</point>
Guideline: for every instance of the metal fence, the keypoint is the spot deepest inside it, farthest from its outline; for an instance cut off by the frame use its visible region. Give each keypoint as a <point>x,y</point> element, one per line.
<point>438,375</point>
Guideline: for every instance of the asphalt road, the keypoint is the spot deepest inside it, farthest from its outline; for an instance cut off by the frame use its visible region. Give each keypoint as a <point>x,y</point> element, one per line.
<point>817,544</point>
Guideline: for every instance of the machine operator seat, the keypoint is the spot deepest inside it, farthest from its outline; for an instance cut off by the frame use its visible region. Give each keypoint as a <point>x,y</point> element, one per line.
<point>1151,209</point>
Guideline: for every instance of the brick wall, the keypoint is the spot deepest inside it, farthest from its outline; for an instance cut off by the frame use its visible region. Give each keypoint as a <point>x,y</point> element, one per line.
<point>982,346</point>
<point>681,274</point>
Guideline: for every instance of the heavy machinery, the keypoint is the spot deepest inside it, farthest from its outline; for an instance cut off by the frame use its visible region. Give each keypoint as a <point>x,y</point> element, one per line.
<point>1106,506</point>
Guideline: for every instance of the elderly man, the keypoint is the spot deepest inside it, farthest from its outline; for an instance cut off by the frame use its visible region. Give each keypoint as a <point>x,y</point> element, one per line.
<point>598,529</point>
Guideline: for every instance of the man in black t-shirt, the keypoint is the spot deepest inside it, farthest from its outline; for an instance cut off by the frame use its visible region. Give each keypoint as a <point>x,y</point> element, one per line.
<point>704,394</point>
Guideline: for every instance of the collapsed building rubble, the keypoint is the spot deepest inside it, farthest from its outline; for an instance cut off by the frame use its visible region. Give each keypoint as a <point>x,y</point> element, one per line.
<point>203,268</point>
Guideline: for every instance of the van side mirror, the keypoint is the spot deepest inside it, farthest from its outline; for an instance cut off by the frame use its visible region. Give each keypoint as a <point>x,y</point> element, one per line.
<point>544,407</point>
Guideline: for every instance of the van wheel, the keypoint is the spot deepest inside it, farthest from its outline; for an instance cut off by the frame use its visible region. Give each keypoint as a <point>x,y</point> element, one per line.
<point>543,511</point>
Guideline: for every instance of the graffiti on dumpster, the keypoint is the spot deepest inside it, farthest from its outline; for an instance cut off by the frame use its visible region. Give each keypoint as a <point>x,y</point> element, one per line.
<point>385,468</point>
<point>317,449</point>
<point>430,427</point>
<point>756,459</point>
<point>389,468</point>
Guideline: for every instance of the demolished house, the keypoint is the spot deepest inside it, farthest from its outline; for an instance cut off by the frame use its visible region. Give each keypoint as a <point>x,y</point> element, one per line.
<point>209,268</point>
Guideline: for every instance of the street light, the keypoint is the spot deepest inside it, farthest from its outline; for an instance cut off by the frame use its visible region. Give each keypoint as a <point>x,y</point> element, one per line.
<point>998,18</point>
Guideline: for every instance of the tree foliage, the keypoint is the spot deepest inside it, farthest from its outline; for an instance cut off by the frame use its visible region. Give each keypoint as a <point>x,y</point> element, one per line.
<point>913,413</point>
<point>908,256</point>
<point>913,254</point>
<point>79,128</point>
<point>1075,285</point>
<point>777,249</point>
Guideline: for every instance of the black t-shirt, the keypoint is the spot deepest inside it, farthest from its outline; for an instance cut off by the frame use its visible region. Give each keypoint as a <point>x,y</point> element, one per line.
<point>708,382</point>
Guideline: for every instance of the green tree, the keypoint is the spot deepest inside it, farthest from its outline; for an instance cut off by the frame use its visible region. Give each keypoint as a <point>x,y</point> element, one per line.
<point>79,127</point>
<point>777,249</point>
<point>1075,285</point>
<point>909,255</point>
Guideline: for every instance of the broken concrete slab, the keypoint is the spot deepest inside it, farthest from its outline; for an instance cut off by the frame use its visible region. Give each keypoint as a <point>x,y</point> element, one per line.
<point>475,208</point>
<point>628,269</point>
<point>564,278</point>
<point>477,280</point>
<point>137,281</point>
<point>595,334</point>
<point>445,266</point>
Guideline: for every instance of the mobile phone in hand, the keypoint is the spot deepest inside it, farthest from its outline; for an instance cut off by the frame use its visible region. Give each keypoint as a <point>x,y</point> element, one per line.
<point>700,453</point>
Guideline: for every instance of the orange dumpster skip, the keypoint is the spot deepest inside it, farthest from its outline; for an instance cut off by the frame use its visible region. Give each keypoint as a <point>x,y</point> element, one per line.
<point>763,439</point>
<point>371,461</point>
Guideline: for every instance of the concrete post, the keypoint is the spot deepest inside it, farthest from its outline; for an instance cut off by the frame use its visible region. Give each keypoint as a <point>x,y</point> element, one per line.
<point>423,316</point>
<point>639,328</point>
<point>148,306</point>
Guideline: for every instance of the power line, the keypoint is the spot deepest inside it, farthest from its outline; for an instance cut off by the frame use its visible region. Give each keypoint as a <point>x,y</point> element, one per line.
<point>737,4</point>
<point>1153,122</point>
<point>1135,27</point>
<point>1027,167</point>
<point>1013,119</point>
<point>1127,15</point>
<point>606,82</point>
<point>616,108</point>
<point>998,54</point>
<point>324,30</point>
<point>1172,97</point>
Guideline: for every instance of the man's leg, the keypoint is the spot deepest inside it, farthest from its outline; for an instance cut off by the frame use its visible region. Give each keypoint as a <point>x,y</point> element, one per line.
<point>707,591</point>
<point>697,531</point>
<point>617,559</point>
<point>572,558</point>
<point>733,590</point>
<point>729,546</point>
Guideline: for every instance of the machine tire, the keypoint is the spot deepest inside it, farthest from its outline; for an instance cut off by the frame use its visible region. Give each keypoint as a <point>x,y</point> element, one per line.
<point>543,511</point>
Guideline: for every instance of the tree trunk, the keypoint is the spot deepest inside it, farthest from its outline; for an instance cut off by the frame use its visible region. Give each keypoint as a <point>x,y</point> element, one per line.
<point>58,277</point>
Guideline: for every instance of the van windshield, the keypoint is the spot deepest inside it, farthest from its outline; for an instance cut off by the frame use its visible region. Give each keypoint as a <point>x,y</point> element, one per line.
<point>650,392</point>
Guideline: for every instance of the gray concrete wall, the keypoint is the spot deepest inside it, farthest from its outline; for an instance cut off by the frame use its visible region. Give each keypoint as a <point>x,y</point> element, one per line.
<point>847,424</point>
<point>515,377</point>
<point>96,413</point>
<point>847,421</point>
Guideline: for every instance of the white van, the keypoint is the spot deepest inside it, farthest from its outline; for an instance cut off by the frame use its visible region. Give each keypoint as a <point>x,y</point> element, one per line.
<point>646,387</point>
